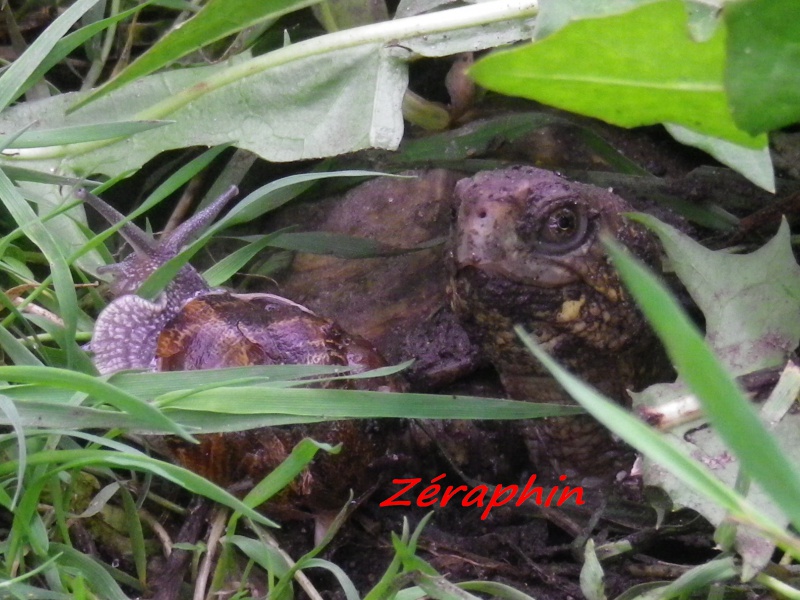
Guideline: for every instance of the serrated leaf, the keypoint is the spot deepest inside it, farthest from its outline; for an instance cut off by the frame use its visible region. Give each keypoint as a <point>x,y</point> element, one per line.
<point>750,301</point>
<point>638,68</point>
<point>762,77</point>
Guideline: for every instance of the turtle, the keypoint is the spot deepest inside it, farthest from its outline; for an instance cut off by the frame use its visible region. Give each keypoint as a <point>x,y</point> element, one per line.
<point>522,246</point>
<point>190,326</point>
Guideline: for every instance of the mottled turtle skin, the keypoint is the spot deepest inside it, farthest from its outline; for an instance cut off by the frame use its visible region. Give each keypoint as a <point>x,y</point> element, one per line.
<point>189,327</point>
<point>523,248</point>
<point>527,251</point>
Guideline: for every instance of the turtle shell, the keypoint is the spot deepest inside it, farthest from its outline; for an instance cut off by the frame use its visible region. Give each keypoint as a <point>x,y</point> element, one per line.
<point>523,247</point>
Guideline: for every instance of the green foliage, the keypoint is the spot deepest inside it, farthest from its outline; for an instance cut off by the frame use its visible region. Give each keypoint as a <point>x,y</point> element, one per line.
<point>267,104</point>
<point>216,20</point>
<point>717,82</point>
<point>743,298</point>
<point>638,68</point>
<point>763,54</point>
<point>749,302</point>
<point>636,63</point>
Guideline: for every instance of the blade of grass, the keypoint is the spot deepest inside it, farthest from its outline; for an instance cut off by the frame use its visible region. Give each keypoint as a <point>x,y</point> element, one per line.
<point>696,580</point>
<point>62,460</point>
<point>82,133</point>
<point>235,261</point>
<point>13,80</point>
<point>660,448</point>
<point>100,390</point>
<point>729,411</point>
<point>25,217</point>
<point>216,20</point>
<point>10,411</point>
<point>357,404</point>
<point>70,42</point>
<point>266,198</point>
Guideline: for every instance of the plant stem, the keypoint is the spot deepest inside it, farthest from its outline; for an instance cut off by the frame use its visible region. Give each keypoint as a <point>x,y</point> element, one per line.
<point>386,33</point>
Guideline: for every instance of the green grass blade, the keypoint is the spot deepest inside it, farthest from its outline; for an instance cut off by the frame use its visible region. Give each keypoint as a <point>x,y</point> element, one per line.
<point>264,199</point>
<point>277,193</point>
<point>235,261</point>
<point>348,588</point>
<point>729,411</point>
<point>100,390</point>
<point>93,571</point>
<point>22,174</point>
<point>696,580</point>
<point>658,447</point>
<point>217,19</point>
<point>82,133</point>
<point>13,80</point>
<point>339,245</point>
<point>16,351</point>
<point>10,411</point>
<point>493,588</point>
<point>60,460</point>
<point>70,42</point>
<point>354,404</point>
<point>25,217</point>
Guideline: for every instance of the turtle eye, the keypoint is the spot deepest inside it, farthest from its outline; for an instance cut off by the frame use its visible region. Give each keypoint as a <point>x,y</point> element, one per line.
<point>563,229</point>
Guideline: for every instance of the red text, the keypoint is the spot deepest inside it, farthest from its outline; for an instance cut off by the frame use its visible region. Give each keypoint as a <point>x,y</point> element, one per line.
<point>484,496</point>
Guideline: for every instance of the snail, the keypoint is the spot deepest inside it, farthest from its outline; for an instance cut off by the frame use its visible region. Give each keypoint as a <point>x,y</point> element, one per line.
<point>190,326</point>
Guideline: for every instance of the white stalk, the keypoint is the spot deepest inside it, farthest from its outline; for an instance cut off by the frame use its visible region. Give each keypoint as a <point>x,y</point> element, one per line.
<point>388,32</point>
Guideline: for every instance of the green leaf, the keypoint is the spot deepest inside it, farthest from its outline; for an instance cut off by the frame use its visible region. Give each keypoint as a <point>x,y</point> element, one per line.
<point>592,575</point>
<point>70,42</point>
<point>638,68</point>
<point>335,244</point>
<point>658,447</point>
<point>555,14</point>
<point>100,390</point>
<point>342,404</point>
<point>32,226</point>
<point>696,580</point>
<point>482,137</point>
<point>231,264</point>
<point>750,301</point>
<point>755,164</point>
<point>216,20</point>
<point>761,76</point>
<point>306,100</point>
<point>731,414</point>
<point>69,459</point>
<point>94,572</point>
